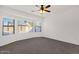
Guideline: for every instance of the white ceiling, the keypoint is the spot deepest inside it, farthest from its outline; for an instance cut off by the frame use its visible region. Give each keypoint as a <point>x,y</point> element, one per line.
<point>54,9</point>
<point>30,8</point>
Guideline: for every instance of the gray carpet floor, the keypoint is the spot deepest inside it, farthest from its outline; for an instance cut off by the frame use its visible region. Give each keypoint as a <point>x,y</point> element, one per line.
<point>39,45</point>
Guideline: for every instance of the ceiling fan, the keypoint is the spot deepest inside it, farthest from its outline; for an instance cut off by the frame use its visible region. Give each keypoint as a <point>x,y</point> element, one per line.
<point>43,8</point>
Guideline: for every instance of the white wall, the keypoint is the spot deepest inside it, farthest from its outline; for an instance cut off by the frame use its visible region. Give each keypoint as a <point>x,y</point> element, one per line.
<point>63,26</point>
<point>17,36</point>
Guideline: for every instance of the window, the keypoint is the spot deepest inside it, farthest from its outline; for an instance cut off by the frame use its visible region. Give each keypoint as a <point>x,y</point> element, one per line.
<point>24,26</point>
<point>8,25</point>
<point>37,27</point>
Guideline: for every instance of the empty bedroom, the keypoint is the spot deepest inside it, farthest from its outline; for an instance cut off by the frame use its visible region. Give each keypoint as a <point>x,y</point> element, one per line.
<point>39,29</point>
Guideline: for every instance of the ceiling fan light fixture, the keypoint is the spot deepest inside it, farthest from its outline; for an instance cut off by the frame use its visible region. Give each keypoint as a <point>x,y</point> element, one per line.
<point>42,11</point>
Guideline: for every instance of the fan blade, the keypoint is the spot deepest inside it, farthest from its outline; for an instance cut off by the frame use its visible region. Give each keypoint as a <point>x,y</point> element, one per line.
<point>47,6</point>
<point>35,10</point>
<point>47,10</point>
<point>37,5</point>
